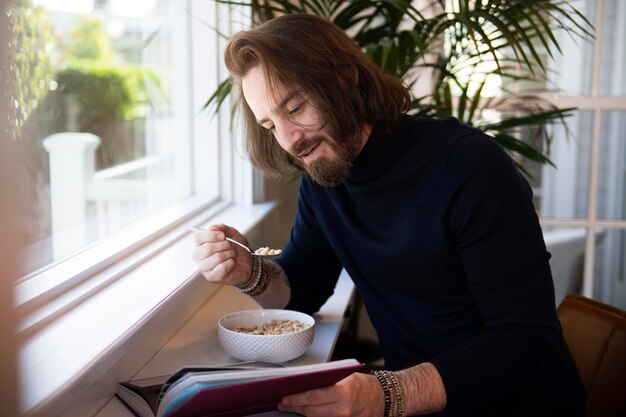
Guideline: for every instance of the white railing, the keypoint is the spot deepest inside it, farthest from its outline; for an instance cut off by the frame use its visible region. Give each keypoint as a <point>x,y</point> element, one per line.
<point>87,205</point>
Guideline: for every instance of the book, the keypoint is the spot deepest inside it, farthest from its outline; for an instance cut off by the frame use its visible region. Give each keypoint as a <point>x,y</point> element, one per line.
<point>227,391</point>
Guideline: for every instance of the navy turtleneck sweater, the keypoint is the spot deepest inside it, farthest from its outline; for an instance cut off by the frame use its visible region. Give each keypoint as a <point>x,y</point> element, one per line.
<point>437,229</point>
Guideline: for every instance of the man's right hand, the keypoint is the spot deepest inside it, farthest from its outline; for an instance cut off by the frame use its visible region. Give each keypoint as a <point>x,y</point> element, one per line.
<point>219,260</point>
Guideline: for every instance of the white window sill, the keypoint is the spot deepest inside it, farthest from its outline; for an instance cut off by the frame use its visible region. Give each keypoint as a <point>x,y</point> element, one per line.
<point>114,327</point>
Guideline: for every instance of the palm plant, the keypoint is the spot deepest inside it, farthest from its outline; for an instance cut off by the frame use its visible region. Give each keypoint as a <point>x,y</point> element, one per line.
<point>464,46</point>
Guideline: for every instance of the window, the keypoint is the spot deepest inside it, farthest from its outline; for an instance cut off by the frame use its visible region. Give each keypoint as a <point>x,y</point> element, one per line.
<point>105,113</point>
<point>585,197</point>
<point>112,142</point>
<point>115,157</point>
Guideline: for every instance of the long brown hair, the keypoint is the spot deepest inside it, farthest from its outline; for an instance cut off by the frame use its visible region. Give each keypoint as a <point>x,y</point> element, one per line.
<point>308,52</point>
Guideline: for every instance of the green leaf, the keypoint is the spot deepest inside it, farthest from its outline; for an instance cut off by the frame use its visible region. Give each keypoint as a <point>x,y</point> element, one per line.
<point>533,119</point>
<point>522,148</point>
<point>218,97</point>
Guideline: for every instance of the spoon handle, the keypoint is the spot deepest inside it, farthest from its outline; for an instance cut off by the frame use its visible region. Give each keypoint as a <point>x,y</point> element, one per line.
<point>240,244</point>
<point>253,253</point>
<point>198,229</point>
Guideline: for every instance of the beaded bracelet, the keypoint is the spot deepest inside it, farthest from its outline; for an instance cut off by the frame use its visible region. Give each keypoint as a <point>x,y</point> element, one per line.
<point>399,393</point>
<point>261,286</point>
<point>383,382</point>
<point>255,276</point>
<point>259,279</point>
<point>394,394</point>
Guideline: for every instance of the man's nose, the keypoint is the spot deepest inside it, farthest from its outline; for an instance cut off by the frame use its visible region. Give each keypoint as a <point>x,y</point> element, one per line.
<point>288,134</point>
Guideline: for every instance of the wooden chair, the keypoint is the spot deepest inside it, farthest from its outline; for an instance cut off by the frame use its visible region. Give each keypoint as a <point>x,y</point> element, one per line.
<point>596,335</point>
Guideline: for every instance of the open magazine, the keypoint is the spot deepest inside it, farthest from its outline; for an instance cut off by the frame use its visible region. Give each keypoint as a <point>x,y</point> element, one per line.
<point>227,391</point>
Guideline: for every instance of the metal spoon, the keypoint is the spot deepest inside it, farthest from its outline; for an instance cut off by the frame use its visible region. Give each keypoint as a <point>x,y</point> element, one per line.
<point>252,252</point>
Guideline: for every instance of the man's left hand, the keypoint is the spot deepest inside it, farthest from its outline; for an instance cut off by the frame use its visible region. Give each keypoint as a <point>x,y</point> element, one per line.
<point>357,395</point>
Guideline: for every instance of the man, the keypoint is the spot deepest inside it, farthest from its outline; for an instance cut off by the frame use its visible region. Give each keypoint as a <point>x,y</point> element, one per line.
<point>430,218</point>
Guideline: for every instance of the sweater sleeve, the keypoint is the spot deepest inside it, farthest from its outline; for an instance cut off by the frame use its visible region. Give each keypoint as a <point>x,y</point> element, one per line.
<point>309,260</point>
<point>491,218</point>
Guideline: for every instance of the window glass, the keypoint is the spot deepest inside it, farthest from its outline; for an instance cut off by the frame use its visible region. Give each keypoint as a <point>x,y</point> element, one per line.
<point>613,53</point>
<point>103,118</point>
<point>533,170</point>
<point>612,179</point>
<point>567,247</point>
<point>571,70</point>
<point>609,284</point>
<point>564,190</point>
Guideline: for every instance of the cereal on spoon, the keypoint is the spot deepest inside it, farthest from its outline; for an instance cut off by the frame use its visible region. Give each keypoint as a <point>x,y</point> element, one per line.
<point>267,251</point>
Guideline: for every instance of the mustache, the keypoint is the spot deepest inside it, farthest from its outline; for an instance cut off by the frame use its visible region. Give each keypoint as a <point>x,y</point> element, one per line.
<point>306,144</point>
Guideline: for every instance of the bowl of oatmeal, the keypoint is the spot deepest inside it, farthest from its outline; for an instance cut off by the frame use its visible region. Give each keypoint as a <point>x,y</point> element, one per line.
<point>269,335</point>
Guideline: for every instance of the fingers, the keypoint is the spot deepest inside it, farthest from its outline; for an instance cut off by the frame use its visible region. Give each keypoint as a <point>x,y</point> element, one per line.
<point>229,231</point>
<point>356,395</point>
<point>226,229</point>
<point>216,258</point>
<point>321,402</point>
<point>209,243</point>
<point>214,233</point>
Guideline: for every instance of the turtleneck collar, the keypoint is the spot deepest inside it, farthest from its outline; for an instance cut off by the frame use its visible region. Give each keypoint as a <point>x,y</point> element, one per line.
<point>378,154</point>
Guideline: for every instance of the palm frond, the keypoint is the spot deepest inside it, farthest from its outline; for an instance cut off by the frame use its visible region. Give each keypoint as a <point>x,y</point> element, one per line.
<point>465,43</point>
<point>218,97</point>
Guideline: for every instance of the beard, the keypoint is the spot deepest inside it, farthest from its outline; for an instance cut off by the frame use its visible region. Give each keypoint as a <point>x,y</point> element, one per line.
<point>331,171</point>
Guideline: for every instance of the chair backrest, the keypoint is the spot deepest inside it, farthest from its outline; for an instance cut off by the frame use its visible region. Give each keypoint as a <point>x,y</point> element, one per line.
<point>596,335</point>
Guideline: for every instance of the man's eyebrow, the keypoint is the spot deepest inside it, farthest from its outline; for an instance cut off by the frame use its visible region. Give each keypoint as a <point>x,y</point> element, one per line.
<point>283,102</point>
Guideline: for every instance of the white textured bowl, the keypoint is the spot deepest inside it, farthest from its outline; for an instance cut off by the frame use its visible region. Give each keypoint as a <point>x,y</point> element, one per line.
<point>277,348</point>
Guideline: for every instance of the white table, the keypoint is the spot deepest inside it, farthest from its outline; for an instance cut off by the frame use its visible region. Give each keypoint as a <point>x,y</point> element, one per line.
<point>196,343</point>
